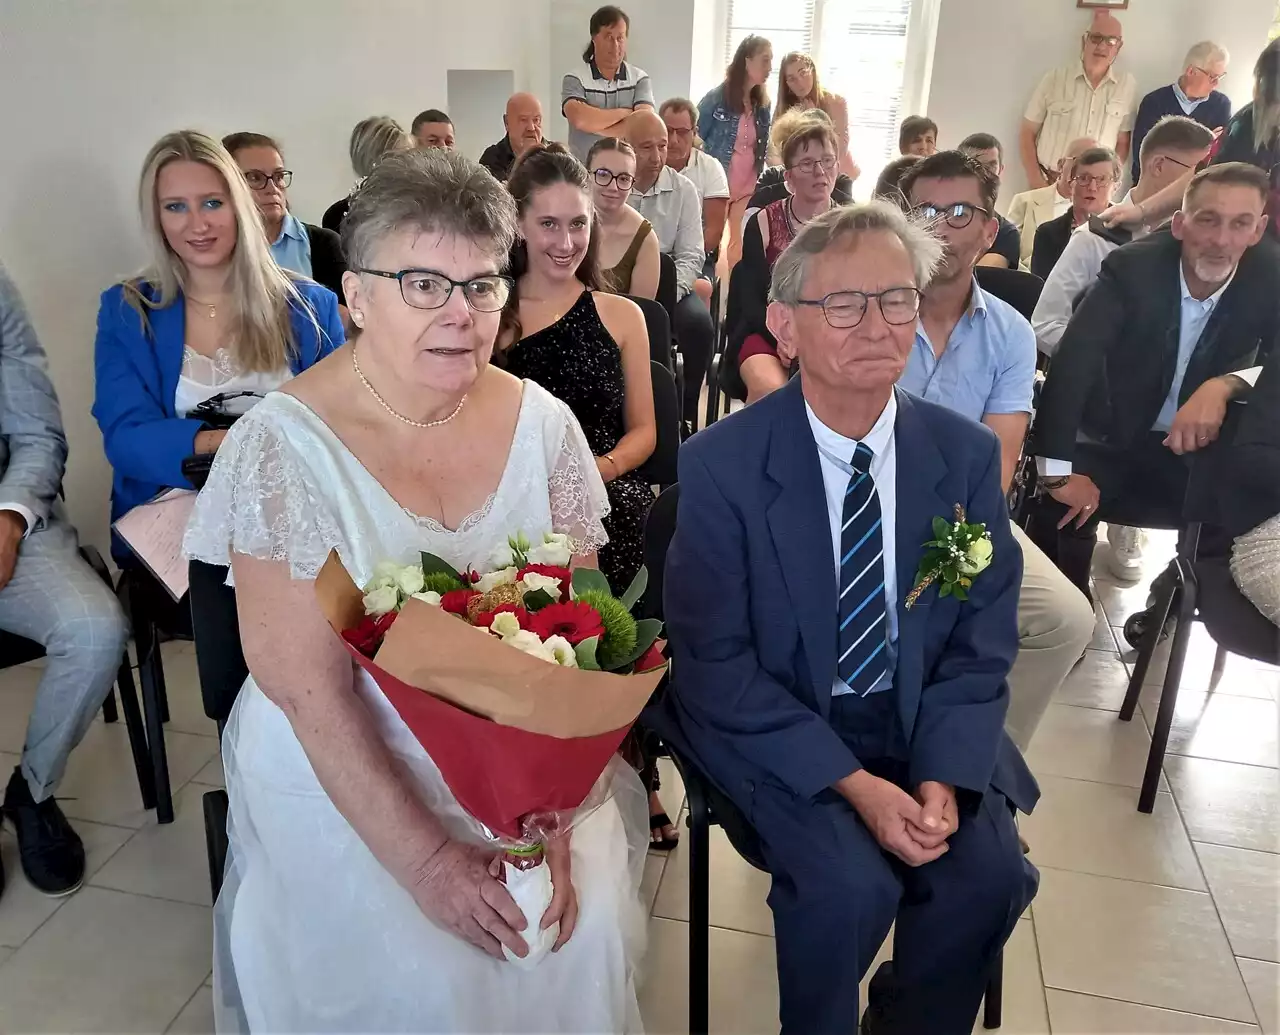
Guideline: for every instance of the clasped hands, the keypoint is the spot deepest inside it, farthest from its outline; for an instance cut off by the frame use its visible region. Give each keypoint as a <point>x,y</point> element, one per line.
<point>914,829</point>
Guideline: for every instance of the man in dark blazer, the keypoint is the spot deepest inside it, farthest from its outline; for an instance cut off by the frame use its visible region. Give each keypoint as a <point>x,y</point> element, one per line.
<point>862,738</point>
<point>1170,332</point>
<point>1094,177</point>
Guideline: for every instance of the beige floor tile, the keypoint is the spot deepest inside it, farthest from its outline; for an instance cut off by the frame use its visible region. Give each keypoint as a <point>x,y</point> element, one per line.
<point>5,953</point>
<point>1246,888</point>
<point>653,867</point>
<point>1095,828</point>
<point>8,759</point>
<point>1089,744</point>
<point>107,962</point>
<point>168,861</point>
<point>1230,729</point>
<point>1226,803</point>
<point>1263,981</point>
<point>211,775</point>
<point>1023,1011</point>
<point>1104,637</point>
<point>1241,677</point>
<point>1120,601</point>
<point>738,890</point>
<point>182,686</point>
<point>743,981</point>
<point>672,790</point>
<point>197,1016</point>
<point>1075,1014</point>
<point>22,908</point>
<point>1138,942</point>
<point>1098,681</point>
<point>17,692</point>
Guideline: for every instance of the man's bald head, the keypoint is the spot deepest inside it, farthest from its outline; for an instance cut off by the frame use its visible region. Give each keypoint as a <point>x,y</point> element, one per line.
<point>647,133</point>
<point>523,120</point>
<point>1102,43</point>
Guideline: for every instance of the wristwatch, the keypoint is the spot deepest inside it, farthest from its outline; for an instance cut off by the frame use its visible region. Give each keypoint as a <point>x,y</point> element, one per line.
<point>1054,483</point>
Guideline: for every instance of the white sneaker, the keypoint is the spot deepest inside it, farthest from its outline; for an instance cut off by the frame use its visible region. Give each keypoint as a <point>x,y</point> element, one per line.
<point>1126,552</point>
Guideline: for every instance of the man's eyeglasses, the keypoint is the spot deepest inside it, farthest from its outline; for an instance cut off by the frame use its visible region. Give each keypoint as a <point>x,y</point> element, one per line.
<point>844,309</point>
<point>680,134</point>
<point>604,177</point>
<point>431,289</point>
<point>956,216</point>
<point>259,180</point>
<point>1096,181</point>
<point>1214,79</point>
<point>811,165</point>
<point>1097,39</point>
<point>1170,158</point>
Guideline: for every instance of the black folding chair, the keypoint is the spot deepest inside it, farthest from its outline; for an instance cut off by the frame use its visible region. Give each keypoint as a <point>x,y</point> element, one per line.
<point>1017,287</point>
<point>658,325</point>
<point>661,467</point>
<point>667,284</point>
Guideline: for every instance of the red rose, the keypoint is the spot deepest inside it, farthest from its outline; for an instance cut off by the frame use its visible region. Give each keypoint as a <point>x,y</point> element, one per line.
<point>651,659</point>
<point>551,571</point>
<point>485,618</point>
<point>455,601</point>
<point>367,637</point>
<point>572,619</point>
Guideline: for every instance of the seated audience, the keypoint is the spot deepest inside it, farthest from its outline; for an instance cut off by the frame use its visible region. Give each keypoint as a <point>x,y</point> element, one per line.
<point>599,97</point>
<point>1195,94</point>
<point>1031,209</point>
<point>354,863</point>
<point>705,172</point>
<point>310,250</point>
<point>889,183</point>
<point>918,136</point>
<point>433,128</point>
<point>810,157</point>
<point>212,313</point>
<point>799,89</point>
<point>1094,175</point>
<point>772,184</point>
<point>733,123</point>
<point>523,123</point>
<point>1006,251</point>
<point>627,246</point>
<point>372,140</point>
<point>976,355</point>
<point>1149,361</point>
<point>49,594</point>
<point>864,740</point>
<point>669,201</point>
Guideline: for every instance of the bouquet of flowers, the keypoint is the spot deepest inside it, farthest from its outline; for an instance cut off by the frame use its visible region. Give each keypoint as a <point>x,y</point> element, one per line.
<point>521,736</point>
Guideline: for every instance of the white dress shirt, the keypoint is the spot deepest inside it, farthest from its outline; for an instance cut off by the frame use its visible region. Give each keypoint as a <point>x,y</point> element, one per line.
<point>707,174</point>
<point>834,455</point>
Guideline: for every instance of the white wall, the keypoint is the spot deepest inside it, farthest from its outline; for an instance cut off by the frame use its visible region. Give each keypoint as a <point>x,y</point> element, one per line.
<point>991,53</point>
<point>89,85</point>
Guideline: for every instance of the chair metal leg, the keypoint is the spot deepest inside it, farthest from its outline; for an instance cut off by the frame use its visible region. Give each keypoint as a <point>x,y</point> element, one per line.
<point>993,999</point>
<point>146,640</point>
<point>109,712</point>
<point>1219,664</point>
<point>699,920</point>
<point>1169,692</point>
<point>1159,616</point>
<point>137,733</point>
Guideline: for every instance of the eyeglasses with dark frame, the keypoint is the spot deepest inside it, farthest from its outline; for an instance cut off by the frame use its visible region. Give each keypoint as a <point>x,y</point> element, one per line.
<point>1088,181</point>
<point>1170,158</point>
<point>1214,77</point>
<point>956,216</point>
<point>1111,41</point>
<point>845,309</point>
<point>259,180</point>
<point>604,177</point>
<point>680,133</point>
<point>810,165</point>
<point>431,289</point>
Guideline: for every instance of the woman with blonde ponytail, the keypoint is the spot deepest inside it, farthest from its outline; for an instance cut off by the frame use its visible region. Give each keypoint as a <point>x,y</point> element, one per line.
<point>211,313</point>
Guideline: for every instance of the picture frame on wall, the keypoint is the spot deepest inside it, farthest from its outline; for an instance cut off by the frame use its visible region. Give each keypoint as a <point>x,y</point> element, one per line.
<point>1113,5</point>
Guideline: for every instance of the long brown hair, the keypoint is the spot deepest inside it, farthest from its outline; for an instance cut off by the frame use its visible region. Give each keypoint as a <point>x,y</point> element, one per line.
<point>735,77</point>
<point>538,168</point>
<point>787,98</point>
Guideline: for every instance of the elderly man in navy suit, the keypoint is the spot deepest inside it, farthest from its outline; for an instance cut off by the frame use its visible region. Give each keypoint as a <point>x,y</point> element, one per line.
<point>861,737</point>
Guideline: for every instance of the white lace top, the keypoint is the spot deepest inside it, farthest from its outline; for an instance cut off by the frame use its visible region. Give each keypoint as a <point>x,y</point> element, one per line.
<point>283,487</point>
<point>204,377</point>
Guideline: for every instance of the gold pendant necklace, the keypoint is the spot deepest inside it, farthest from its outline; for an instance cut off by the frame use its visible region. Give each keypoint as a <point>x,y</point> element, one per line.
<point>213,309</point>
<point>355,363</point>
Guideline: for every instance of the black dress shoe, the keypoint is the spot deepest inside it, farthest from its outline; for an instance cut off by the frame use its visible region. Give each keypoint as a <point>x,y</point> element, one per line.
<point>51,853</point>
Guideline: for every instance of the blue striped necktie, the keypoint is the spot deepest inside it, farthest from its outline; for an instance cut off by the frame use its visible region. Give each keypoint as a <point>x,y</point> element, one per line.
<point>860,652</point>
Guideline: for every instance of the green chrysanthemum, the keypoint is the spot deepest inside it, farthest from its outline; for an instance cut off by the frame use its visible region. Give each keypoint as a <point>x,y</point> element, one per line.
<point>619,628</point>
<point>440,582</point>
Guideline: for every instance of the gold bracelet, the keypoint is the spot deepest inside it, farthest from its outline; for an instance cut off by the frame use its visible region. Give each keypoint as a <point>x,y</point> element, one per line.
<point>609,457</point>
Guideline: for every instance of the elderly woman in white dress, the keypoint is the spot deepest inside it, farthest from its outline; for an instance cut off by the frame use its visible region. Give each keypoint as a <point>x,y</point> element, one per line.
<point>359,895</point>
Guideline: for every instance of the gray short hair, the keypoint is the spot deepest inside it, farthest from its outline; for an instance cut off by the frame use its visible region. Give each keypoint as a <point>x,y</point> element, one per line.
<point>373,139</point>
<point>1204,52</point>
<point>432,191</point>
<point>834,226</point>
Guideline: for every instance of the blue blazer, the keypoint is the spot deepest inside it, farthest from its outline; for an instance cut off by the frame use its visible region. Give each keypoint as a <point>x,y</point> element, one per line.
<point>750,607</point>
<point>136,376</point>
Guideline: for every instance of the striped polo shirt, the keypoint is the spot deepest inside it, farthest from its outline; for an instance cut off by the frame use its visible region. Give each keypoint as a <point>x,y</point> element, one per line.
<point>1066,108</point>
<point>629,87</point>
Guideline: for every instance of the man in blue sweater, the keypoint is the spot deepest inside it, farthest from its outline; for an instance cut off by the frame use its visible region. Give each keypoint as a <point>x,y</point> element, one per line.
<point>1194,94</point>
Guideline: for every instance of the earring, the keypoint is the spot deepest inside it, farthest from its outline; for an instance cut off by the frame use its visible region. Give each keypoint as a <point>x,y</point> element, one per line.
<point>357,317</point>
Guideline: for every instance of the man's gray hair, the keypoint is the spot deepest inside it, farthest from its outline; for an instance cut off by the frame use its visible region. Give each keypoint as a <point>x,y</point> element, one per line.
<point>1203,53</point>
<point>833,228</point>
<point>430,191</point>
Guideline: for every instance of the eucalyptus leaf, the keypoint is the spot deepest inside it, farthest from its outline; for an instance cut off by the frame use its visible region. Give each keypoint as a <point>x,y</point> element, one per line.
<point>586,654</point>
<point>635,591</point>
<point>433,564</point>
<point>585,579</point>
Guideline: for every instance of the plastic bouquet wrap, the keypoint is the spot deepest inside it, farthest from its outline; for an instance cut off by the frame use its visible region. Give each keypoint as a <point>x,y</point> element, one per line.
<point>520,678</point>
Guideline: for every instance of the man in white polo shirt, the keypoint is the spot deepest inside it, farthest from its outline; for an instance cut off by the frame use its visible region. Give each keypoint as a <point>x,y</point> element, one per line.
<point>706,173</point>
<point>600,96</point>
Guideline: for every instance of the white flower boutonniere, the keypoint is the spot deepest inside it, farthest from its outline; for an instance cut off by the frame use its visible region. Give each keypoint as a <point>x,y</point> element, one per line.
<point>957,554</point>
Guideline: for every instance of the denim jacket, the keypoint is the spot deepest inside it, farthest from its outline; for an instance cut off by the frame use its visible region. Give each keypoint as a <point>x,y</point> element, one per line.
<point>718,128</point>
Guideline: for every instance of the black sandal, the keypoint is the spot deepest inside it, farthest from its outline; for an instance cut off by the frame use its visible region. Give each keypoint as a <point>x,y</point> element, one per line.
<point>656,822</point>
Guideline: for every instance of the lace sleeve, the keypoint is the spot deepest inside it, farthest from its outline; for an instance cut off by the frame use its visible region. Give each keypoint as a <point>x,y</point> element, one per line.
<point>260,501</point>
<point>579,502</point>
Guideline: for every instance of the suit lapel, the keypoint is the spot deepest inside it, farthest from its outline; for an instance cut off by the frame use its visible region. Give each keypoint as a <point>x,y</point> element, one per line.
<point>801,534</point>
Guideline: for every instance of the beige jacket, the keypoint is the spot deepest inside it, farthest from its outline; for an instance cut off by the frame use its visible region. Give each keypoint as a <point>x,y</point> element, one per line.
<point>1031,208</point>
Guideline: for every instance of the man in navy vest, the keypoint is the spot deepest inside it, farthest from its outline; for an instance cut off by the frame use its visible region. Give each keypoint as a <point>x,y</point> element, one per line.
<point>1195,94</point>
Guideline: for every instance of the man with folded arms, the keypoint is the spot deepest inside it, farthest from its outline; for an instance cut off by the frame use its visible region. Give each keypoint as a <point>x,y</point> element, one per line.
<point>862,737</point>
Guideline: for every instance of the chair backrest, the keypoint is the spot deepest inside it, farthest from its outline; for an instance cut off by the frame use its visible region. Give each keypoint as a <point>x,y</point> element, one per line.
<point>1017,287</point>
<point>658,324</point>
<point>660,468</point>
<point>659,527</point>
<point>667,283</point>
<point>215,624</point>
<point>731,382</point>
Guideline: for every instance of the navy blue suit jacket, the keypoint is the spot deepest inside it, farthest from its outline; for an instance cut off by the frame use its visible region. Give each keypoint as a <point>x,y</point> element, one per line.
<point>750,607</point>
<point>136,369</point>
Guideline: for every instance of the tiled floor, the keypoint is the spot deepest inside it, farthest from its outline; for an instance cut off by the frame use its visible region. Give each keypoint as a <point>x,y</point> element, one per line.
<point>1160,923</point>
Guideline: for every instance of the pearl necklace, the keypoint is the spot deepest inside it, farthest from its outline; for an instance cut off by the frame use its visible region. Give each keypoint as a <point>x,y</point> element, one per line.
<point>400,416</point>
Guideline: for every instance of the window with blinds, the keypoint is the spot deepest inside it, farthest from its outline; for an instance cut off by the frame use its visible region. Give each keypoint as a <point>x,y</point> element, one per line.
<point>860,47</point>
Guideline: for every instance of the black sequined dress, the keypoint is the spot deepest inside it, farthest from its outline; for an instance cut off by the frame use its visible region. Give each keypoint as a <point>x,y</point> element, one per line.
<point>577,361</point>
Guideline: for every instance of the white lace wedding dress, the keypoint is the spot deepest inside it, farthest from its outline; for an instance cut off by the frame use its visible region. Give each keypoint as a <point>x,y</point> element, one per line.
<point>311,933</point>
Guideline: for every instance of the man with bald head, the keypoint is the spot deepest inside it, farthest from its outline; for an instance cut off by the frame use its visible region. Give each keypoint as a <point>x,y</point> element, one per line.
<point>1086,98</point>
<point>523,123</point>
<point>671,204</point>
<point>1033,208</point>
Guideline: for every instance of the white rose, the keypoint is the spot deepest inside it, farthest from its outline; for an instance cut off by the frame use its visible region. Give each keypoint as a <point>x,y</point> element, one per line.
<point>500,558</point>
<point>411,580</point>
<point>977,557</point>
<point>505,624</point>
<point>381,600</point>
<point>386,573</point>
<point>529,643</point>
<point>555,549</point>
<point>561,651</point>
<point>495,578</point>
<point>429,597</point>
<point>534,581</point>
